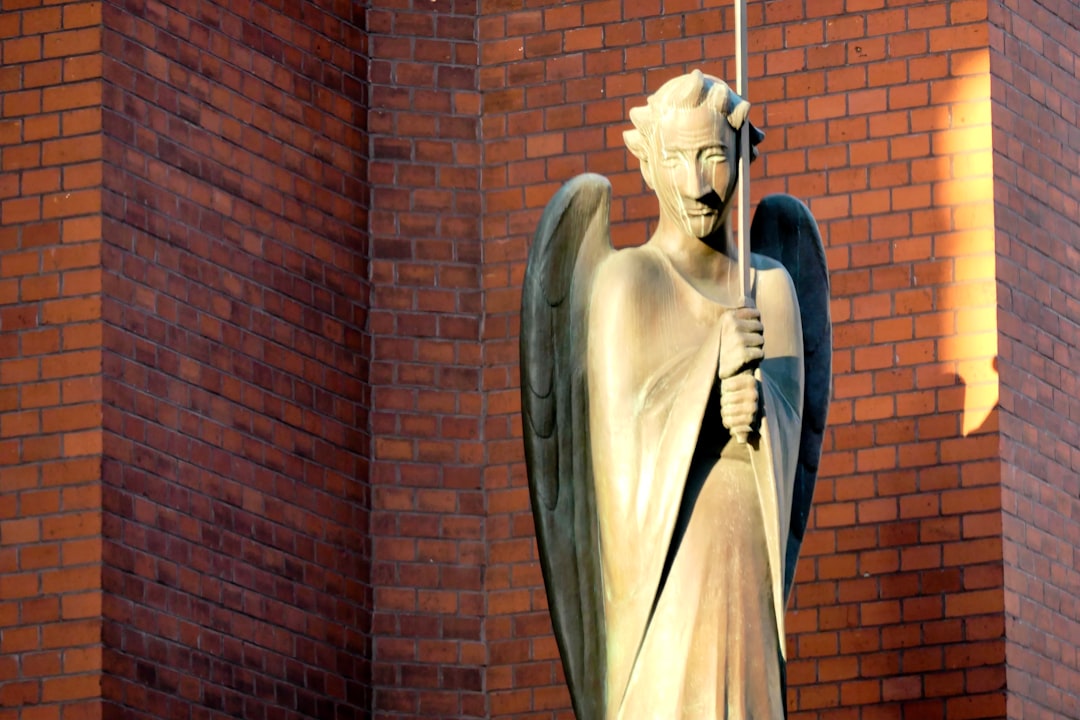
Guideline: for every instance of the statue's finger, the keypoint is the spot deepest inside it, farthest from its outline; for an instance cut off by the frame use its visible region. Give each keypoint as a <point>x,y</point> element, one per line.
<point>739,403</point>
<point>737,391</point>
<point>752,339</point>
<point>735,420</point>
<point>747,313</point>
<point>739,415</point>
<point>750,326</point>
<point>739,383</point>
<point>730,412</point>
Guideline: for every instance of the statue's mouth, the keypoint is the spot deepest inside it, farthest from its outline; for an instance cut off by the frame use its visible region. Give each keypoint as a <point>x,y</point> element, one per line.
<point>705,205</point>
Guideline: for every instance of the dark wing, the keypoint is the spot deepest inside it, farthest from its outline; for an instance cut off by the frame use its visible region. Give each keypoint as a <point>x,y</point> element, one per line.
<point>784,230</point>
<point>572,240</point>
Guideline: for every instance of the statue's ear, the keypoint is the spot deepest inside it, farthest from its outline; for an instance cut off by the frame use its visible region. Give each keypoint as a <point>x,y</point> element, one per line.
<point>738,114</point>
<point>636,143</point>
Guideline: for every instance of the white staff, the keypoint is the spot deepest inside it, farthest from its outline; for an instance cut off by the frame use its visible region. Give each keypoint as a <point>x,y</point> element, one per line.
<point>743,188</point>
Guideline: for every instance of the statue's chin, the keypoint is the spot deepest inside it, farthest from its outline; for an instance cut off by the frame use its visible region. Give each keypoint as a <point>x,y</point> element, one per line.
<point>703,227</point>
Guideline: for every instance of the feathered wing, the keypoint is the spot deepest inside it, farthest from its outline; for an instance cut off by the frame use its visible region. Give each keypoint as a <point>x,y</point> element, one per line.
<point>785,230</point>
<point>571,241</point>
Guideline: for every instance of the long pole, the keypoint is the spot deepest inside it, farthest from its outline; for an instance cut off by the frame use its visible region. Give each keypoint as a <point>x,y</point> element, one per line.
<point>743,191</point>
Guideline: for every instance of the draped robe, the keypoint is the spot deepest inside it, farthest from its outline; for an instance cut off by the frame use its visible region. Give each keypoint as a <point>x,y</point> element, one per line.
<point>653,350</point>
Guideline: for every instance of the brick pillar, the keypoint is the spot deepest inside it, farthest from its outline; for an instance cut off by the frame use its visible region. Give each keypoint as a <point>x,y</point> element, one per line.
<point>426,375</point>
<point>50,360</point>
<point>1036,151</point>
<point>882,118</point>
<point>183,413</point>
<point>235,459</point>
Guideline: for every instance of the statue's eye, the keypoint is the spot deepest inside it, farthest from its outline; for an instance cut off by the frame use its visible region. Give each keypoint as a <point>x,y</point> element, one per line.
<point>714,156</point>
<point>670,161</point>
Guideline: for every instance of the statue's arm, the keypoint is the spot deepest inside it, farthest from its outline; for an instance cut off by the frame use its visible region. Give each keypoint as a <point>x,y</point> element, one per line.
<point>782,376</point>
<point>646,398</point>
<point>782,370</point>
<point>613,358</point>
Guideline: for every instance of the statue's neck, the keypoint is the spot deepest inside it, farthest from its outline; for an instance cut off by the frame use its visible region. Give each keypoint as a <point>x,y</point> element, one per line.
<point>707,259</point>
<point>708,265</point>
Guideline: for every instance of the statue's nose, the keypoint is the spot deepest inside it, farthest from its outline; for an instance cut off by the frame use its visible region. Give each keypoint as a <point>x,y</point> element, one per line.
<point>698,184</point>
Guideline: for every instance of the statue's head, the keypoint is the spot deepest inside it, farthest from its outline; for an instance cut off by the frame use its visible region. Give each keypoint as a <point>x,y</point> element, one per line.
<point>686,138</point>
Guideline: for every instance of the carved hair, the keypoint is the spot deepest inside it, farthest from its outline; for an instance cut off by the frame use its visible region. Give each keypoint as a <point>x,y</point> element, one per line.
<point>687,92</point>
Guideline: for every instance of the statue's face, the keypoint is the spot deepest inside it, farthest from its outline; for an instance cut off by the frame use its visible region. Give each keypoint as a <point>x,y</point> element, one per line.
<point>694,169</point>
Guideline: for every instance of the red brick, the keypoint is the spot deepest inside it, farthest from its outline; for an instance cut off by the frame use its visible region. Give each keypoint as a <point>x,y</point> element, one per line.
<point>36,22</point>
<point>74,42</point>
<point>43,73</point>
<point>896,167</point>
<point>64,152</point>
<point>71,95</point>
<point>82,14</point>
<point>21,50</point>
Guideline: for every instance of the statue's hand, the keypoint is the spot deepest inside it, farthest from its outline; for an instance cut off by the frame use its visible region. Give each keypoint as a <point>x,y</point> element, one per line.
<point>739,403</point>
<point>741,341</point>
<point>741,349</point>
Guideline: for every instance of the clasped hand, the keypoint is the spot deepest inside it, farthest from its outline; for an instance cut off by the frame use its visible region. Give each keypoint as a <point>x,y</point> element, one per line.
<point>741,349</point>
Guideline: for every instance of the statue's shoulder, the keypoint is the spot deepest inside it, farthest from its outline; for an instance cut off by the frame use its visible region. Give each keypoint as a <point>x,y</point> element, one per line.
<point>765,264</point>
<point>771,275</point>
<point>634,271</point>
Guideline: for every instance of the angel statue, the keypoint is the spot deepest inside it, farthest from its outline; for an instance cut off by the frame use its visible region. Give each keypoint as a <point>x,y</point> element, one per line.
<point>673,428</point>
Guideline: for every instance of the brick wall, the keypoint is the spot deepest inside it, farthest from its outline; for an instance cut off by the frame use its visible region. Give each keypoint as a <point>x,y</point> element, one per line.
<point>260,446</point>
<point>235,455</point>
<point>1036,152</point>
<point>879,117</point>
<point>429,455</point>
<point>50,360</point>
<point>885,121</point>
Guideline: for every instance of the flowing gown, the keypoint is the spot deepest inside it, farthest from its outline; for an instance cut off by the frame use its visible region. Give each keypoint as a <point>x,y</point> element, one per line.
<point>691,522</point>
<point>713,632</point>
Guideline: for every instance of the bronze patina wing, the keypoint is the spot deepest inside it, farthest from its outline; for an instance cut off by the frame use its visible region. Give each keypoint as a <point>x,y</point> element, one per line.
<point>784,230</point>
<point>572,240</point>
